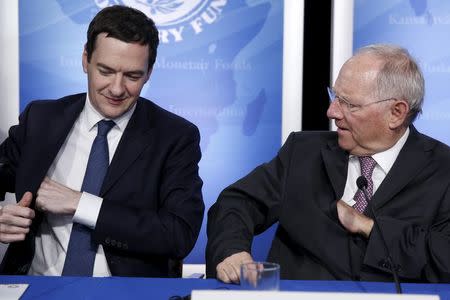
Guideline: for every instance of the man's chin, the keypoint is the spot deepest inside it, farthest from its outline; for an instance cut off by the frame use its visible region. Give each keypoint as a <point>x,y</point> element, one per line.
<point>113,112</point>
<point>345,144</point>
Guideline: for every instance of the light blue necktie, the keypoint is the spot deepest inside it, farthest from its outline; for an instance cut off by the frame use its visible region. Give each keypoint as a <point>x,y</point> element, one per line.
<point>81,250</point>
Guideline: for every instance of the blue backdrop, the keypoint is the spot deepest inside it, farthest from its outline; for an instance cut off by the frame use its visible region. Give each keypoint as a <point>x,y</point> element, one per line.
<point>423,27</point>
<point>219,65</point>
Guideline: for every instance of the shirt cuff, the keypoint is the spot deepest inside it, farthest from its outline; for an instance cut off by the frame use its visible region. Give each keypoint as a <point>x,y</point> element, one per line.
<point>88,210</point>
<point>349,202</point>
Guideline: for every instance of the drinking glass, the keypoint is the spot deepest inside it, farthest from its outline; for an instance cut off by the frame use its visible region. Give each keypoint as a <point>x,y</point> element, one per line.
<point>260,276</point>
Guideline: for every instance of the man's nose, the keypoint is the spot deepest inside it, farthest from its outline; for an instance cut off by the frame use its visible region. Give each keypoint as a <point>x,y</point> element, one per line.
<point>117,87</point>
<point>334,110</point>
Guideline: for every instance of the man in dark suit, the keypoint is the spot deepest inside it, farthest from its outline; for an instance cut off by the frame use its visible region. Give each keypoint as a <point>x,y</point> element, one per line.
<point>326,227</point>
<point>76,215</point>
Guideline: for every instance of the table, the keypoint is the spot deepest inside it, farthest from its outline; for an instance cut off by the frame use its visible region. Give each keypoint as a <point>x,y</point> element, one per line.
<point>47,287</point>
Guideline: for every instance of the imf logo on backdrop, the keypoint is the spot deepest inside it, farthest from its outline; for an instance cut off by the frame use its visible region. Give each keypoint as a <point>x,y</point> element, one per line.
<point>175,18</point>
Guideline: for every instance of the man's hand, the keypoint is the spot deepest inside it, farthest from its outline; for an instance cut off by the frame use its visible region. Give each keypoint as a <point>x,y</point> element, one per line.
<point>352,220</point>
<point>16,219</point>
<point>56,198</point>
<point>229,270</point>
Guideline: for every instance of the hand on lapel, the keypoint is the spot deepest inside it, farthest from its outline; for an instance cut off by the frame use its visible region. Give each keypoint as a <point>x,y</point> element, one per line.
<point>352,220</point>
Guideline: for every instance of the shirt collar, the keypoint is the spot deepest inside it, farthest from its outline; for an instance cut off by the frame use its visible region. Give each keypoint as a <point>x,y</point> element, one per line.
<point>387,158</point>
<point>92,116</point>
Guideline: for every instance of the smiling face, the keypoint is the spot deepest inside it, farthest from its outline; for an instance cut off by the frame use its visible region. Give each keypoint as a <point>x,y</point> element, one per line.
<point>367,130</point>
<point>116,74</point>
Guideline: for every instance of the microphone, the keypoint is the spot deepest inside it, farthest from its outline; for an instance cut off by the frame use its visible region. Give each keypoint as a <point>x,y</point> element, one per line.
<point>361,182</point>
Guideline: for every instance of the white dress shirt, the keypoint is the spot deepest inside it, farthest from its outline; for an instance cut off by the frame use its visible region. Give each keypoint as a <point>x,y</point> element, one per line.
<point>68,168</point>
<point>384,160</point>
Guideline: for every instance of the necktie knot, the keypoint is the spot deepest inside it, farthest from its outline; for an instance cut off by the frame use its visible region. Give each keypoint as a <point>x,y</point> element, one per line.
<point>104,126</point>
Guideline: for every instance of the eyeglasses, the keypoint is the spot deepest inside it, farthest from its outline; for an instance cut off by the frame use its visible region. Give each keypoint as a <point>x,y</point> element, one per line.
<point>345,104</point>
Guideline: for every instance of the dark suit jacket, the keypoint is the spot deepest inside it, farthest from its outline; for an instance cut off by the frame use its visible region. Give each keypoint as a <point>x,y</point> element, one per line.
<point>152,209</point>
<point>299,188</point>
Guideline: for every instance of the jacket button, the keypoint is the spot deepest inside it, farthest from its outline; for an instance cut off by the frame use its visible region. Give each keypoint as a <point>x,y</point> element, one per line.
<point>125,246</point>
<point>119,244</point>
<point>384,264</point>
<point>113,242</point>
<point>107,241</point>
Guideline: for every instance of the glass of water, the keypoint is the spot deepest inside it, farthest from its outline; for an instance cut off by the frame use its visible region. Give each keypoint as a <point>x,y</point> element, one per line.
<point>260,276</point>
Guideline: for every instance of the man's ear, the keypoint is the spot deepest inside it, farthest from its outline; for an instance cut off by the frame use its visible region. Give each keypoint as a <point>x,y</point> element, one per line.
<point>149,73</point>
<point>398,114</point>
<point>84,60</point>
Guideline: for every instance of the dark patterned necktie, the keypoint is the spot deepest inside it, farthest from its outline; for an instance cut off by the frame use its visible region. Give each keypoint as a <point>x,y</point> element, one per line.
<point>81,251</point>
<point>367,164</point>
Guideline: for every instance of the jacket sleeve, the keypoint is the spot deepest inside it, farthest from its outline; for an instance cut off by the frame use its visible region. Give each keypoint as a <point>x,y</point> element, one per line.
<point>10,153</point>
<point>245,208</point>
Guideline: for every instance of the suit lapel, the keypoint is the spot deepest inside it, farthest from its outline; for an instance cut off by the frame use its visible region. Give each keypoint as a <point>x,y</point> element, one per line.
<point>55,133</point>
<point>135,139</point>
<point>411,160</point>
<point>336,165</point>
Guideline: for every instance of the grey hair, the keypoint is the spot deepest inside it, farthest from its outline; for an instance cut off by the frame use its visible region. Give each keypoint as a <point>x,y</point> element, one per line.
<point>400,76</point>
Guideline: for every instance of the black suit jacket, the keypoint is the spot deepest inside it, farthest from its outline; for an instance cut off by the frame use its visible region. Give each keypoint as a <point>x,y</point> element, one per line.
<point>152,209</point>
<point>299,188</point>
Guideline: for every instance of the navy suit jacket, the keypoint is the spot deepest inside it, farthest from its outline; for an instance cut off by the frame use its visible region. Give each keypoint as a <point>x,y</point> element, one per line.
<point>299,189</point>
<point>152,207</point>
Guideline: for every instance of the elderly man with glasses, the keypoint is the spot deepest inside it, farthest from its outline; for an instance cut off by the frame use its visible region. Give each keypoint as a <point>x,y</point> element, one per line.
<point>326,224</point>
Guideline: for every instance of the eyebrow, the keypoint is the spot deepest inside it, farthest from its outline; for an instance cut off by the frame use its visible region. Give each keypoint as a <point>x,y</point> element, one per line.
<point>343,97</point>
<point>134,72</point>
